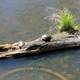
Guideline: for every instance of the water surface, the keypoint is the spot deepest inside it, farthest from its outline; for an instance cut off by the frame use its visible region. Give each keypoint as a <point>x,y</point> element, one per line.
<point>24,20</point>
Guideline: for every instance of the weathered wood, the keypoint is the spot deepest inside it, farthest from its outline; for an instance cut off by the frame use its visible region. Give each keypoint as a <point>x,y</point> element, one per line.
<point>42,44</point>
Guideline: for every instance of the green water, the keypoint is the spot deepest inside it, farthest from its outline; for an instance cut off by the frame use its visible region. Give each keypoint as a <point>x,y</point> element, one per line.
<point>24,20</point>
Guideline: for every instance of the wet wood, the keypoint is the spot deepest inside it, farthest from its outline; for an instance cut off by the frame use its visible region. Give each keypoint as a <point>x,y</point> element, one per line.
<point>43,44</point>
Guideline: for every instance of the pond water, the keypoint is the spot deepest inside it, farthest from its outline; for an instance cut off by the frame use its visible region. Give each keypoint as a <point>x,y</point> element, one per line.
<point>24,20</point>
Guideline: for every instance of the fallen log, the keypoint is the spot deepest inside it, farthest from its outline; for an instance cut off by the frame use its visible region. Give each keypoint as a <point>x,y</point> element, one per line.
<point>43,44</point>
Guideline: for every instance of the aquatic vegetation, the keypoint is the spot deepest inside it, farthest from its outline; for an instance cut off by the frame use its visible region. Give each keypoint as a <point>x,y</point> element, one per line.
<point>66,22</point>
<point>63,21</point>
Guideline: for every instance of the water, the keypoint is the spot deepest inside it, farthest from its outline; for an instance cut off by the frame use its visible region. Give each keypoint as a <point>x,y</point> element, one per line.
<point>24,20</point>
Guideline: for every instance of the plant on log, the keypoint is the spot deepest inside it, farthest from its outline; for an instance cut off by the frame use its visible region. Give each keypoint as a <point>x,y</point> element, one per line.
<point>66,22</point>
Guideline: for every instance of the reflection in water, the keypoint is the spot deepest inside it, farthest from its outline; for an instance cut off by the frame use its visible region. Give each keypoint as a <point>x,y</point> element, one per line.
<point>24,20</point>
<point>64,62</point>
<point>34,74</point>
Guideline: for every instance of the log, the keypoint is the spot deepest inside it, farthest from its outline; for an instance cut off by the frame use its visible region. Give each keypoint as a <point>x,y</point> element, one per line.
<point>43,44</point>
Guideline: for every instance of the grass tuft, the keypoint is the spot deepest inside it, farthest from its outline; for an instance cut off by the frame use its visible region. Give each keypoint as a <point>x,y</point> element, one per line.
<point>66,23</point>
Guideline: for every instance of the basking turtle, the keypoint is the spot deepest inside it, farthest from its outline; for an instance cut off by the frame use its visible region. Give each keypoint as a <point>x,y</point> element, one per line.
<point>46,38</point>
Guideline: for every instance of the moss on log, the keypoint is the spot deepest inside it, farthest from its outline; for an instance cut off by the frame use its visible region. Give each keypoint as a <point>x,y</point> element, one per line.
<point>43,44</point>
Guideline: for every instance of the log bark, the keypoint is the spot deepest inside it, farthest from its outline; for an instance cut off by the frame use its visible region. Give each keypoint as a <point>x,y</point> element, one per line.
<point>40,45</point>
